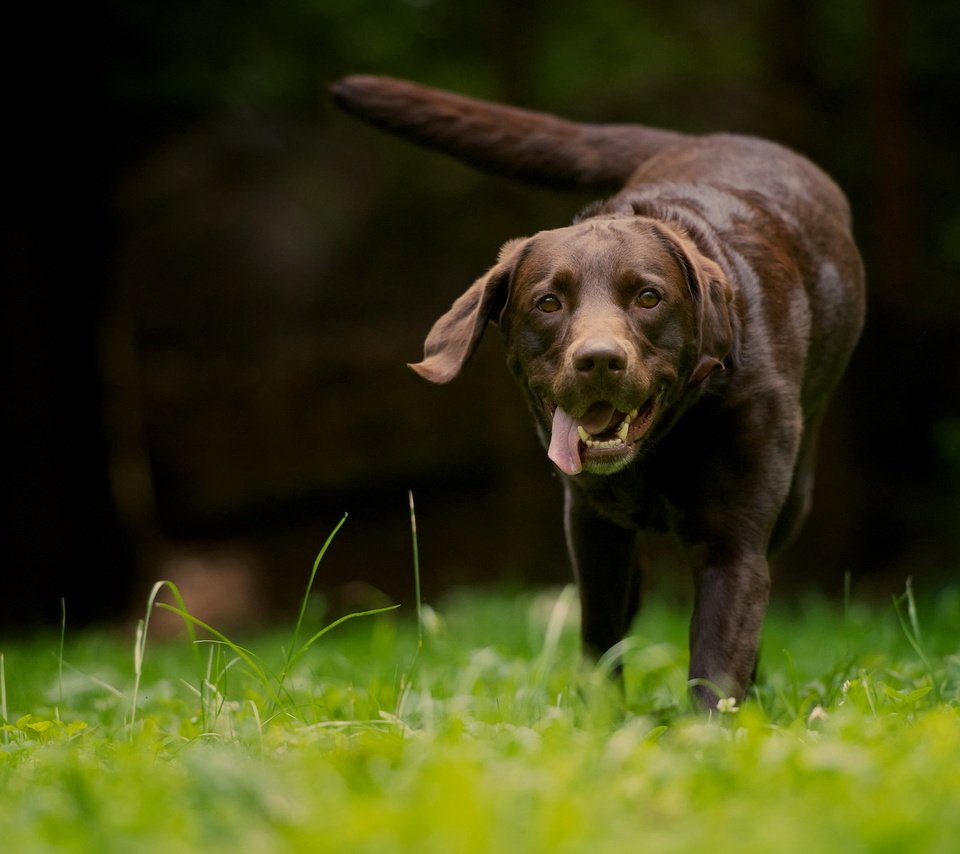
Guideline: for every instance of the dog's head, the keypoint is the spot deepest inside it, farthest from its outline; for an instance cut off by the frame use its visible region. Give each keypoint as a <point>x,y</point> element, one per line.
<point>607,323</point>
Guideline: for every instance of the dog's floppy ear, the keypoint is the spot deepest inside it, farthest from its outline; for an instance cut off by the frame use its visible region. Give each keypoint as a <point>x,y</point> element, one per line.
<point>712,298</point>
<point>455,336</point>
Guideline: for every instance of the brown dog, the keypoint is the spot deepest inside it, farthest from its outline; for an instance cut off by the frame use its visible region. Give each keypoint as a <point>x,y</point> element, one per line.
<point>677,345</point>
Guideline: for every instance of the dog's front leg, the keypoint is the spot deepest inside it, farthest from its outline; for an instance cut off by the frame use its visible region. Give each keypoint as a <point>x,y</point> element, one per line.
<point>732,594</point>
<point>608,576</point>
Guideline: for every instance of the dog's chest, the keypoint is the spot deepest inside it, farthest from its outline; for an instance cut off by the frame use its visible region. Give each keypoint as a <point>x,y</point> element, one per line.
<point>632,500</point>
<point>665,489</point>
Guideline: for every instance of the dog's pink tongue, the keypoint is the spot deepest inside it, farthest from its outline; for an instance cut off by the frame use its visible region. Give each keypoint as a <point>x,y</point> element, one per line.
<point>565,443</point>
<point>565,440</point>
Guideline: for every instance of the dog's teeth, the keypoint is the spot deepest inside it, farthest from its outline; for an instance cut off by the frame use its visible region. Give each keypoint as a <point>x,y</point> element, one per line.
<point>606,443</point>
<point>618,442</point>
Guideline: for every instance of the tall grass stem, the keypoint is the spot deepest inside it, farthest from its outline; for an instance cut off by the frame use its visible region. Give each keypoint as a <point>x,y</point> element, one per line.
<point>63,634</point>
<point>416,569</point>
<point>140,644</point>
<point>306,596</point>
<point>911,629</point>
<point>3,695</point>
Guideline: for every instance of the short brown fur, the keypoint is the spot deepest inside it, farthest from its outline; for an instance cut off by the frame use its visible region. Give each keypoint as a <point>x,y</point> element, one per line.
<point>758,304</point>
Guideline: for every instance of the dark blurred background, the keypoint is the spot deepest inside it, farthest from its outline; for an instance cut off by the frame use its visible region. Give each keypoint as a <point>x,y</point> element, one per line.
<point>212,281</point>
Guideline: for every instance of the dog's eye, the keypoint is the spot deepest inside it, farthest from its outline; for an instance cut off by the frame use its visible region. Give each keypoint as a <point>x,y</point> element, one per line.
<point>648,298</point>
<point>548,303</point>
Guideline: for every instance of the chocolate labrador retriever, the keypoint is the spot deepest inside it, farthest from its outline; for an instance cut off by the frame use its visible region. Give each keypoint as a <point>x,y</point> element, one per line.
<point>676,345</point>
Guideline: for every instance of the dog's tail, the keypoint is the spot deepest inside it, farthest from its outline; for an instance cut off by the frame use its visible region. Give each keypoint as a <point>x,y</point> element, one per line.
<point>532,147</point>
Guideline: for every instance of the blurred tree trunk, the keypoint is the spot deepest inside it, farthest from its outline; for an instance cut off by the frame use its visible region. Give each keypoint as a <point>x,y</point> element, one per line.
<point>897,350</point>
<point>895,209</point>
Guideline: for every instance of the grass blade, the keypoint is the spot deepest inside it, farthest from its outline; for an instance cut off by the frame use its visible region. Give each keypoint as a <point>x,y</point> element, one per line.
<point>63,633</point>
<point>140,644</point>
<point>245,655</point>
<point>416,570</point>
<point>910,625</point>
<point>308,643</point>
<point>3,696</point>
<point>306,598</point>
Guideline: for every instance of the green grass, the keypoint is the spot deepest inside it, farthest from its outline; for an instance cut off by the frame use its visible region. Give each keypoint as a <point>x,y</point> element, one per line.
<point>490,735</point>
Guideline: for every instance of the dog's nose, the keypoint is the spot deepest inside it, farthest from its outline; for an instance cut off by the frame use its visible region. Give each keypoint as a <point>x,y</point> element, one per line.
<point>600,355</point>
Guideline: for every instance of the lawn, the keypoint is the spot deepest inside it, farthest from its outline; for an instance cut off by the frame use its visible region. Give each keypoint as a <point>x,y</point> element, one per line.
<point>476,728</point>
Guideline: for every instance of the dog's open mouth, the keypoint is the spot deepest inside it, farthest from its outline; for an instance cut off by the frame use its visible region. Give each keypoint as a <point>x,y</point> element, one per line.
<point>601,440</point>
